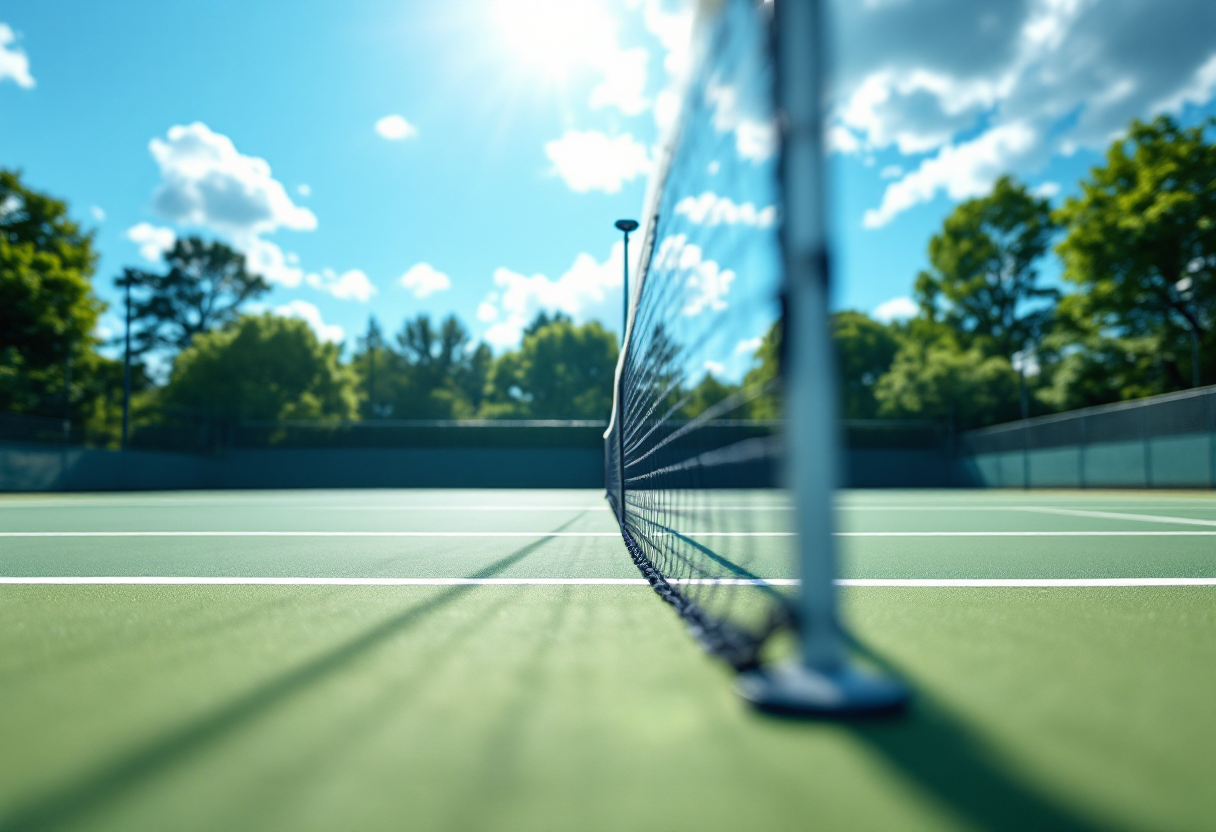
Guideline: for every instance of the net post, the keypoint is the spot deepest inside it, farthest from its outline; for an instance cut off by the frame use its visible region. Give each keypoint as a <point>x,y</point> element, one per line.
<point>823,682</point>
<point>620,449</point>
<point>810,395</point>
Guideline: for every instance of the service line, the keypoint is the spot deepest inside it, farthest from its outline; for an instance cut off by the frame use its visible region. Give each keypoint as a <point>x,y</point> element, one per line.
<point>144,580</point>
<point>1170,533</point>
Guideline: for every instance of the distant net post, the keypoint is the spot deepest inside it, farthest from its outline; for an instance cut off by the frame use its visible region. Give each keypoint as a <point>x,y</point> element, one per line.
<point>823,680</point>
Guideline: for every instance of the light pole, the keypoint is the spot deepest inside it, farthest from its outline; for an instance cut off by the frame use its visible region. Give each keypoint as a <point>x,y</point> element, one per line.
<point>626,227</point>
<point>126,366</point>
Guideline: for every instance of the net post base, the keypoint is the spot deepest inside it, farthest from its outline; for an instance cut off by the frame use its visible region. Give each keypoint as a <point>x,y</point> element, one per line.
<point>796,690</point>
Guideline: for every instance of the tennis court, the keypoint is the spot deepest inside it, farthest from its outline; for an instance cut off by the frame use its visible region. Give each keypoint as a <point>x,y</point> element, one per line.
<point>489,659</point>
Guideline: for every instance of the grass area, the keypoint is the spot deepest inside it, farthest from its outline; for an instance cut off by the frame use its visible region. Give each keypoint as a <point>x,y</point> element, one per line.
<point>587,707</point>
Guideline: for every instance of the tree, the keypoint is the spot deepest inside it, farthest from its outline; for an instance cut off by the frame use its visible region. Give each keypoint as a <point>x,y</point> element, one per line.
<point>1141,246</point>
<point>938,380</point>
<point>762,380</point>
<point>203,288</point>
<point>560,371</point>
<point>983,284</point>
<point>1097,369</point>
<point>707,393</point>
<point>432,374</point>
<point>260,367</point>
<point>372,344</point>
<point>864,351</point>
<point>47,307</point>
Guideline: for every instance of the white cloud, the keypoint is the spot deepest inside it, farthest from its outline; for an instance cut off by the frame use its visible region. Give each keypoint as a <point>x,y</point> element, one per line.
<point>205,181</point>
<point>304,190</point>
<point>964,170</point>
<point>896,309</point>
<point>593,161</point>
<point>748,346</point>
<point>14,63</point>
<point>486,310</point>
<point>153,240</point>
<point>715,367</point>
<point>518,298</point>
<point>841,140</point>
<point>624,82</point>
<point>711,209</point>
<point>395,128</point>
<point>755,137</point>
<point>1014,83</point>
<point>268,260</point>
<point>350,285</point>
<point>309,313</point>
<point>705,283</point>
<point>424,279</point>
<point>891,172</point>
<point>673,29</point>
<point>1047,190</point>
<point>98,213</point>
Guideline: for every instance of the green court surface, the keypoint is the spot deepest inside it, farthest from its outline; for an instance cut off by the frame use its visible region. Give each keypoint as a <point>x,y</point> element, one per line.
<point>1062,646</point>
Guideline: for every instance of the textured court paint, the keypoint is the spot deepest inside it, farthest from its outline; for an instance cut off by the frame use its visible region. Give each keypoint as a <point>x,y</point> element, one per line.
<point>562,707</point>
<point>325,708</point>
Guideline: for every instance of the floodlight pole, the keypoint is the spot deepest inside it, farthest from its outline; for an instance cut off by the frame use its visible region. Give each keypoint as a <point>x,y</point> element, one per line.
<point>126,367</point>
<point>625,227</point>
<point>823,681</point>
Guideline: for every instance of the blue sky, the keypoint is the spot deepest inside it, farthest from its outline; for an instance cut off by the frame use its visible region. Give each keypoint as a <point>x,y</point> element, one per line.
<point>394,157</point>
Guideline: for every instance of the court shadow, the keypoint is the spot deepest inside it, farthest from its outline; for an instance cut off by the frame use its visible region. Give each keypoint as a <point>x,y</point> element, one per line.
<point>938,752</point>
<point>116,777</point>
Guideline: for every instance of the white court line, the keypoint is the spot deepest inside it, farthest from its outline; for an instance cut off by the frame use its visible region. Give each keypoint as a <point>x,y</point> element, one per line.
<point>1031,534</point>
<point>606,534</point>
<point>307,507</point>
<point>143,580</point>
<point>373,534</point>
<point>1115,515</point>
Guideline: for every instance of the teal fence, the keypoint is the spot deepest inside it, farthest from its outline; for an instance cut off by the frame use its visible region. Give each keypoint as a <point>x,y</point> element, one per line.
<point>1159,442</point>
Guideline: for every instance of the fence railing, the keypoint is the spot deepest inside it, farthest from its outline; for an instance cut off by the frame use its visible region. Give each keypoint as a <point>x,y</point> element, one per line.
<point>183,433</point>
<point>1160,441</point>
<point>1173,414</point>
<point>41,429</point>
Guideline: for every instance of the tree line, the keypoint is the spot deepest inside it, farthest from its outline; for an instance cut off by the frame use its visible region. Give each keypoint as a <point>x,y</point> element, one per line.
<point>1136,248</point>
<point>219,362</point>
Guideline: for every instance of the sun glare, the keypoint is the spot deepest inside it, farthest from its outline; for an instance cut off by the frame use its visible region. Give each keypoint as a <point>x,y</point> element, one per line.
<point>555,37</point>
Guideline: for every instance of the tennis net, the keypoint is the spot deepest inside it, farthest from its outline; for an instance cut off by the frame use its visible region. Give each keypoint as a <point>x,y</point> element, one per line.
<point>690,454</point>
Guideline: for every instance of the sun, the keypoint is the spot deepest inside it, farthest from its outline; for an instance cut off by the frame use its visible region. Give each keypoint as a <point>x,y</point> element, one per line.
<point>554,37</point>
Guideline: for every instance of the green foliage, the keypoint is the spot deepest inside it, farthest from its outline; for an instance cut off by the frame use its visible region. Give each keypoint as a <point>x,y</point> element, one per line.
<point>938,380</point>
<point>865,349</point>
<point>48,310</point>
<point>764,377</point>
<point>1141,245</point>
<point>708,392</point>
<point>431,375</point>
<point>560,371</point>
<point>202,289</point>
<point>984,283</point>
<point>1100,370</point>
<point>260,367</point>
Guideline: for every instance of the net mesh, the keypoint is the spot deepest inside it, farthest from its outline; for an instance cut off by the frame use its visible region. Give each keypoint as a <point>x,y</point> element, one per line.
<point>691,451</point>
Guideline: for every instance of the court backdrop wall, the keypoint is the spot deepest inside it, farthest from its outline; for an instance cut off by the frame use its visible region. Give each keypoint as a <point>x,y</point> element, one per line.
<point>1159,442</point>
